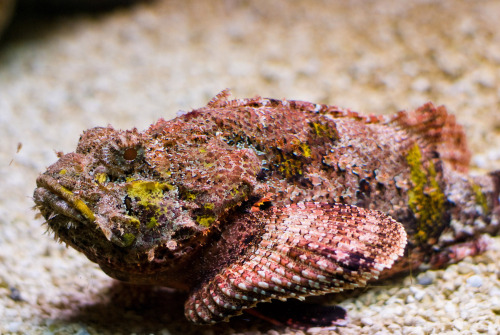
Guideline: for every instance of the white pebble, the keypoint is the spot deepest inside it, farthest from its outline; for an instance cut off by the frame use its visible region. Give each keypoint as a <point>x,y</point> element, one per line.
<point>421,85</point>
<point>426,278</point>
<point>475,281</point>
<point>458,324</point>
<point>417,293</point>
<point>367,321</point>
<point>14,327</point>
<point>450,309</point>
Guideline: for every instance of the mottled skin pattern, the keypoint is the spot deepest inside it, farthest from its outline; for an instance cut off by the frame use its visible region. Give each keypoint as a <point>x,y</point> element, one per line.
<point>249,200</point>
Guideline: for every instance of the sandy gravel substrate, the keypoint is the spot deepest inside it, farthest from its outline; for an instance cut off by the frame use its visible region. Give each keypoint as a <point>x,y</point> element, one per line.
<point>128,67</point>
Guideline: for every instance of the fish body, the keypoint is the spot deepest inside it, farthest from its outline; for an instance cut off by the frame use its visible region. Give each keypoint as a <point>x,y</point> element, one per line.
<point>243,201</point>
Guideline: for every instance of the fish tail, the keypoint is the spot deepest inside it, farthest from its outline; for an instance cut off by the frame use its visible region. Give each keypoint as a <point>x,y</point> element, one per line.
<point>486,193</point>
<point>495,176</point>
<point>475,216</point>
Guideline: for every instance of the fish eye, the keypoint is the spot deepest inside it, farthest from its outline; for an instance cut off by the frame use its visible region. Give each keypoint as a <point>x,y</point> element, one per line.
<point>130,154</point>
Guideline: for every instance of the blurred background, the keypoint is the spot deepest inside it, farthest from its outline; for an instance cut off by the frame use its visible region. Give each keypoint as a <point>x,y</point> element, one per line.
<point>66,66</point>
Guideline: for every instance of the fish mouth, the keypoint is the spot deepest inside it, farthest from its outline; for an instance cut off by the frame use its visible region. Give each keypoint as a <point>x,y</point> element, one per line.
<point>54,200</point>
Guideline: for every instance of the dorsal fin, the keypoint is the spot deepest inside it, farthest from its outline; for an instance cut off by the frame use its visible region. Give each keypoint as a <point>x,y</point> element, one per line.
<point>435,126</point>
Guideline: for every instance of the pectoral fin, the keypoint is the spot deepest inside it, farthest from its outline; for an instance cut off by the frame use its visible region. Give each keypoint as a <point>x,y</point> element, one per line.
<point>306,249</point>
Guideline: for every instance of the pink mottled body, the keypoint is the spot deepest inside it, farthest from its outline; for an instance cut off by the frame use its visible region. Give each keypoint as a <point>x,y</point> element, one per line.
<point>248,200</point>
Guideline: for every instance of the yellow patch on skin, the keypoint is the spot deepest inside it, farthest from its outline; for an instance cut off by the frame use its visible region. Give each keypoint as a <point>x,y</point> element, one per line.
<point>133,221</point>
<point>302,149</point>
<point>149,192</point>
<point>128,239</point>
<point>480,197</point>
<point>425,198</point>
<point>100,178</point>
<point>322,130</point>
<point>306,150</point>
<point>190,196</point>
<point>63,172</point>
<point>149,195</point>
<point>84,209</point>
<point>205,220</point>
<point>235,192</point>
<point>152,223</point>
<point>288,165</point>
<point>79,204</point>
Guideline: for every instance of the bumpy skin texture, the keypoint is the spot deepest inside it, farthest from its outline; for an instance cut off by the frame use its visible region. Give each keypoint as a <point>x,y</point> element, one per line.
<point>244,201</point>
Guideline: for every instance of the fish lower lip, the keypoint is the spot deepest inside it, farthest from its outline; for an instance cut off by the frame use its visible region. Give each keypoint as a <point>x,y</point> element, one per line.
<point>50,204</point>
<point>51,197</point>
